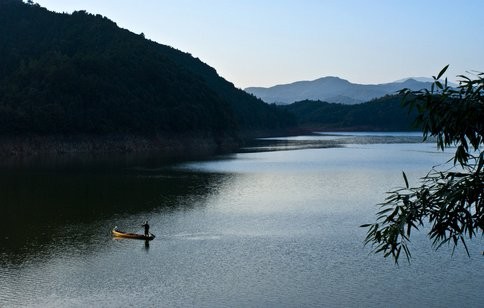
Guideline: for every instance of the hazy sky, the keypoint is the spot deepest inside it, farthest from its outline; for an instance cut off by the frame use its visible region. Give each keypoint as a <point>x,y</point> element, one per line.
<point>268,42</point>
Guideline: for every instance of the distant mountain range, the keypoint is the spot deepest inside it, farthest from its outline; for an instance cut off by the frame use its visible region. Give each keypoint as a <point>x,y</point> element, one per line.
<point>334,90</point>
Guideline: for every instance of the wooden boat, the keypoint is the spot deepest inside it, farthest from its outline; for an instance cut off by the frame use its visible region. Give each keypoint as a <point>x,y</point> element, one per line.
<point>118,233</point>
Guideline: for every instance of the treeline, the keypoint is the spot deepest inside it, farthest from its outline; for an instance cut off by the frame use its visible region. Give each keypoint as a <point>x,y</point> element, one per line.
<point>382,114</point>
<point>81,74</point>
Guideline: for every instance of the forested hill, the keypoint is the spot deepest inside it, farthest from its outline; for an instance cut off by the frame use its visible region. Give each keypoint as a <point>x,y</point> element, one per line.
<point>82,74</point>
<point>382,114</point>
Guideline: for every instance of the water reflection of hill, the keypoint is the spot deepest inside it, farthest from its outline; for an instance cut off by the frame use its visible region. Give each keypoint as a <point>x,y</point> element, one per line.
<point>79,206</point>
<point>330,140</point>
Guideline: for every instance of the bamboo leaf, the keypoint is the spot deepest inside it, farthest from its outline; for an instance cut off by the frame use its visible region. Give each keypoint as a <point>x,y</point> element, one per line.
<point>481,162</point>
<point>442,72</point>
<point>406,180</point>
<point>439,85</point>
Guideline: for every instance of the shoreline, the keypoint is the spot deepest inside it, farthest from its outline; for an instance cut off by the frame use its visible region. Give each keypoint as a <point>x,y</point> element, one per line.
<point>26,145</point>
<point>40,149</point>
<point>63,147</point>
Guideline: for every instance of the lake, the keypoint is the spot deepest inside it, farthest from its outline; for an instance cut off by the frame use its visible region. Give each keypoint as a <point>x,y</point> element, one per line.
<point>276,225</point>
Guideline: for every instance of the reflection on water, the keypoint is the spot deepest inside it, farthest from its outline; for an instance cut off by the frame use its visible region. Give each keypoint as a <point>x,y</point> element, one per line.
<point>40,206</point>
<point>249,229</point>
<point>330,140</point>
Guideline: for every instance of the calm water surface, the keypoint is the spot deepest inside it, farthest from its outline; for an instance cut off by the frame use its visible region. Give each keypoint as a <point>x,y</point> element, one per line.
<point>273,226</point>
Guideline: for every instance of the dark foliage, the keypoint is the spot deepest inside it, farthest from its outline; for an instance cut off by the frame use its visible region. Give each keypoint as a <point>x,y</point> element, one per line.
<point>80,73</point>
<point>382,114</point>
<point>451,201</point>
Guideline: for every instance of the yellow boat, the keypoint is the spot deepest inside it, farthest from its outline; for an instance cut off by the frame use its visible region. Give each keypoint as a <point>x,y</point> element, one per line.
<point>118,233</point>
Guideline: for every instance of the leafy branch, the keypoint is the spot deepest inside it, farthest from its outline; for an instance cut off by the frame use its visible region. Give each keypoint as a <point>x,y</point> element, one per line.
<point>451,201</point>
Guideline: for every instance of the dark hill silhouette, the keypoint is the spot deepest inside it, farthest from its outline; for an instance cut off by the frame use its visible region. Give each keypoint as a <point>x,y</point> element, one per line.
<point>382,114</point>
<point>80,73</point>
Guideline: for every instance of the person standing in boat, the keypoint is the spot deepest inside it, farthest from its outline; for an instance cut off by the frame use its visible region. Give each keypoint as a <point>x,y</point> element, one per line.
<point>147,228</point>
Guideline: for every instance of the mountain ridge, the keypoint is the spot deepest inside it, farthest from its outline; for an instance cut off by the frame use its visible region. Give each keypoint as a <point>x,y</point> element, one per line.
<point>333,90</point>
